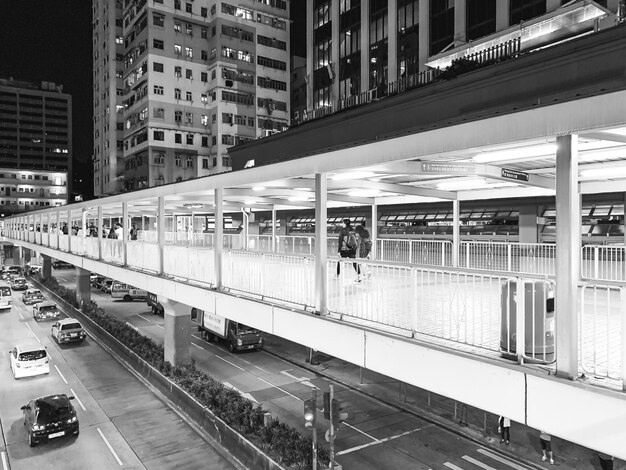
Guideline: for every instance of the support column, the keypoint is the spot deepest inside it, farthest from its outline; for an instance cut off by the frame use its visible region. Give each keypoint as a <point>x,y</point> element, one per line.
<point>309,55</point>
<point>502,15</point>
<point>46,267</point>
<point>456,233</point>
<point>124,233</point>
<point>321,244</point>
<point>374,232</point>
<point>460,22</point>
<point>219,235</point>
<point>334,51</point>
<point>274,227</point>
<point>58,230</point>
<point>83,286</point>
<point>567,256</point>
<point>177,337</point>
<point>69,230</point>
<point>392,42</point>
<point>161,233</point>
<point>424,34</point>
<point>100,229</point>
<point>365,45</point>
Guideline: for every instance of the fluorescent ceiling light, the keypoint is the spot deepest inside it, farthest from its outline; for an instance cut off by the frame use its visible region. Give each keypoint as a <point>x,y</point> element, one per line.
<point>250,202</point>
<point>526,153</point>
<point>356,175</point>
<point>303,189</point>
<point>192,205</point>
<point>364,193</point>
<point>258,188</point>
<point>608,172</point>
<point>298,198</point>
<point>471,183</point>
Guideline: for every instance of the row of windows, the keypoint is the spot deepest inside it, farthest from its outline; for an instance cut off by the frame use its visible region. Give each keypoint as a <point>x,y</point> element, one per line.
<point>24,177</point>
<point>178,73</point>
<point>246,14</point>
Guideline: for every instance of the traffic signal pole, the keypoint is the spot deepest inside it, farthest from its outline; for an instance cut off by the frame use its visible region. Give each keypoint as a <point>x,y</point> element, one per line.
<point>314,437</point>
<point>332,429</point>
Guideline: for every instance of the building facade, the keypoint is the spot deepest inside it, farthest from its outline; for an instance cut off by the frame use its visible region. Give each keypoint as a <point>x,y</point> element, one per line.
<point>23,190</point>
<point>196,79</point>
<point>35,126</point>
<point>359,45</point>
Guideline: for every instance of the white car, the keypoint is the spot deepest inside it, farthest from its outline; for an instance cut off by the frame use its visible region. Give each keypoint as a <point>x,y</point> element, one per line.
<point>28,360</point>
<point>68,330</point>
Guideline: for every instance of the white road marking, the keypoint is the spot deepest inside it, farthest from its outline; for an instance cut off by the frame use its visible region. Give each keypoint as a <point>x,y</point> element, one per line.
<point>149,321</point>
<point>20,315</point>
<point>284,391</point>
<point>478,463</point>
<point>452,466</point>
<point>78,400</point>
<point>302,380</point>
<point>358,430</point>
<point>197,337</point>
<point>261,369</point>
<point>5,462</point>
<point>502,460</point>
<point>31,330</point>
<point>159,326</point>
<point>243,394</point>
<point>378,441</point>
<point>232,364</point>
<point>199,347</point>
<point>110,448</point>
<point>60,374</point>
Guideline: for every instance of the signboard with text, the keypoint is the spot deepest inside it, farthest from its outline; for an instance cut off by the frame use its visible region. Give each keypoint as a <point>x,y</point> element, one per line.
<point>514,174</point>
<point>448,168</point>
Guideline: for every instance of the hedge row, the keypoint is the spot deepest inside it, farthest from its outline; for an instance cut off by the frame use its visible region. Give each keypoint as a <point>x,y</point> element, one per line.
<point>282,442</point>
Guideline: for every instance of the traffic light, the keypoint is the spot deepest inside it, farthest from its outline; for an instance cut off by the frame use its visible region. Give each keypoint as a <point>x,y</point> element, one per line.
<point>327,405</point>
<point>338,413</point>
<point>309,413</point>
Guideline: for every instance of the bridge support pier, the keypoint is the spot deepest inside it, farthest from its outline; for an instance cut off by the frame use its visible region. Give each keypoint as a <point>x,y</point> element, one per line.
<point>177,338</point>
<point>83,286</point>
<point>46,267</point>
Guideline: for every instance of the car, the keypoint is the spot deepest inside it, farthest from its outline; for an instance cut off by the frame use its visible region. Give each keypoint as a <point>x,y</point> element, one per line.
<point>13,270</point>
<point>68,330</point>
<point>34,270</point>
<point>50,417</point>
<point>32,296</point>
<point>28,360</point>
<point>19,283</point>
<point>46,311</point>
<point>96,281</point>
<point>107,285</point>
<point>58,264</point>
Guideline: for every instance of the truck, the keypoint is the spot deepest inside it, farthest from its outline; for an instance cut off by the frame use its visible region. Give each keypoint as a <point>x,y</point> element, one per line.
<point>152,301</point>
<point>237,336</point>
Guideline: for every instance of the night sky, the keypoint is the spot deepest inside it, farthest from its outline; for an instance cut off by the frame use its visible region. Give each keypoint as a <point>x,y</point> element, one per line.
<point>50,40</point>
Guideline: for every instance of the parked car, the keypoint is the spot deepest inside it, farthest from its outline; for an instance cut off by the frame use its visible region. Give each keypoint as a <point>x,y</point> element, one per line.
<point>19,283</point>
<point>32,296</point>
<point>68,330</point>
<point>58,264</point>
<point>49,417</point>
<point>107,284</point>
<point>96,281</point>
<point>28,360</point>
<point>126,292</point>
<point>46,311</point>
<point>11,270</point>
<point>34,270</point>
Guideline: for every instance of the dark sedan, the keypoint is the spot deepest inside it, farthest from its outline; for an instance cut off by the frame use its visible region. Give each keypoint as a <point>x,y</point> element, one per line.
<point>50,417</point>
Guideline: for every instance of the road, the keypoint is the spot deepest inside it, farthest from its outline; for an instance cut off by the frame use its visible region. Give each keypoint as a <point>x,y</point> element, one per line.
<point>122,423</point>
<point>376,436</point>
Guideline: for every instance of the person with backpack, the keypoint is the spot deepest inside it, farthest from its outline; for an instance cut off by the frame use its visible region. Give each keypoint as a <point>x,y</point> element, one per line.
<point>365,245</point>
<point>348,244</point>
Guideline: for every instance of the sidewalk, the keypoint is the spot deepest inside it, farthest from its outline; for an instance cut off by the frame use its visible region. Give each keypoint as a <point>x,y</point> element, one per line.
<point>466,421</point>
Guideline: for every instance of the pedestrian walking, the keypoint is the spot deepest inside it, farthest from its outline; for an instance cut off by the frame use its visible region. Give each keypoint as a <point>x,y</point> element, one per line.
<point>546,447</point>
<point>133,232</point>
<point>364,248</point>
<point>606,461</point>
<point>504,428</point>
<point>347,246</point>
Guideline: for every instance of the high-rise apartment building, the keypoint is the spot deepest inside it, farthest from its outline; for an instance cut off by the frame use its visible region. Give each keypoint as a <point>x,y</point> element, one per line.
<point>35,126</point>
<point>360,45</point>
<point>196,79</point>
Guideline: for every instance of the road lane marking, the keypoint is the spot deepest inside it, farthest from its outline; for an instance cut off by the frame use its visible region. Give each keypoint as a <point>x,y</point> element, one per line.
<point>31,330</point>
<point>232,364</point>
<point>60,374</point>
<point>243,394</point>
<point>358,430</point>
<point>110,448</point>
<point>5,462</point>
<point>502,459</point>
<point>452,466</point>
<point>302,380</point>
<point>378,441</point>
<point>21,316</point>
<point>78,400</point>
<point>478,463</point>
<point>276,387</point>
<point>199,347</point>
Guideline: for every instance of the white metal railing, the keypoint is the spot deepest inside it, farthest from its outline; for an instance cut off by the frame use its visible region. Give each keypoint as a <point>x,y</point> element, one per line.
<point>197,264</point>
<point>38,238</point>
<point>259,243</point>
<point>112,250</point>
<point>604,262</point>
<point>63,242</point>
<point>31,237</point>
<point>77,244</point>
<point>142,255</point>
<point>420,252</point>
<point>525,258</point>
<point>91,247</point>
<point>295,244</point>
<point>44,239</point>
<point>601,331</point>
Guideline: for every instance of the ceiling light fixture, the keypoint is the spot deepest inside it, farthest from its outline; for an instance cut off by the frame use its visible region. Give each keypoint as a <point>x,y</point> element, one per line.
<point>525,153</point>
<point>192,205</point>
<point>258,188</point>
<point>355,175</point>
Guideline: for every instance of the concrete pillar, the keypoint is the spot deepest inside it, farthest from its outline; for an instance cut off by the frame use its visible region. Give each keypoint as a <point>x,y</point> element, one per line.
<point>321,245</point>
<point>460,22</point>
<point>219,235</point>
<point>374,232</point>
<point>69,230</point>
<point>365,45</point>
<point>177,337</point>
<point>528,229</point>
<point>18,256</point>
<point>503,13</point>
<point>334,51</point>
<point>124,233</point>
<point>161,233</point>
<point>392,41</point>
<point>424,34</point>
<point>309,55</point>
<point>456,232</point>
<point>274,227</point>
<point>567,256</point>
<point>58,230</point>
<point>100,228</point>
<point>46,267</point>
<point>83,286</point>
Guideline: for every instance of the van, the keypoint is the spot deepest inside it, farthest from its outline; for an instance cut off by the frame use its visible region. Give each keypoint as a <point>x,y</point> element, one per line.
<point>29,360</point>
<point>6,301</point>
<point>126,292</point>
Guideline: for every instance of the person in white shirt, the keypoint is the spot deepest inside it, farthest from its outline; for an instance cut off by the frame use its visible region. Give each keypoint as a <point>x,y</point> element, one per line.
<point>504,428</point>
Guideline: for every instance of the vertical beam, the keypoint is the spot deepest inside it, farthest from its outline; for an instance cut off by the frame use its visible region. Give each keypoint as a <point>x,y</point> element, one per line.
<point>567,256</point>
<point>58,230</point>
<point>100,229</point>
<point>124,233</point>
<point>309,55</point>
<point>161,233</point>
<point>334,51</point>
<point>460,22</point>
<point>321,245</point>
<point>424,34</point>
<point>177,336</point>
<point>502,15</point>
<point>456,233</point>
<point>219,235</point>
<point>46,266</point>
<point>365,45</point>
<point>392,43</point>
<point>69,230</point>
<point>374,232</point>
<point>83,286</point>
<point>528,232</point>
<point>274,227</point>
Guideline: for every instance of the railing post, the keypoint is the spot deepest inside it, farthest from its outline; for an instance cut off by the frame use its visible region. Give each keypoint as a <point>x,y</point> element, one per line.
<point>596,262</point>
<point>520,320</point>
<point>509,261</point>
<point>410,251</point>
<point>467,254</point>
<point>623,317</point>
<point>100,228</point>
<point>161,233</point>
<point>219,236</point>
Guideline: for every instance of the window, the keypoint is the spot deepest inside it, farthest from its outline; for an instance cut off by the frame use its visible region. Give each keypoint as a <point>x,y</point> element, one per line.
<point>178,160</point>
<point>272,63</point>
<point>204,55</point>
<point>188,8</point>
<point>178,27</point>
<point>177,93</point>
<point>225,161</point>
<point>205,141</point>
<point>178,50</point>
<point>157,67</point>
<point>214,142</point>
<point>189,52</point>
<point>189,74</point>
<point>189,159</point>
<point>157,44</point>
<point>204,120</point>
<point>159,113</point>
<point>203,12</point>
<point>178,138</point>
<point>177,4</point>
<point>178,116</point>
<point>158,20</point>
<point>119,40</point>
<point>178,71</point>
<point>189,96</point>
<point>204,76</point>
<point>189,120</point>
<point>189,29</point>
<point>189,139</point>
<point>213,74</point>
<point>214,118</point>
<point>205,161</point>
<point>228,139</point>
<point>203,33</point>
<point>158,90</point>
<point>158,135</point>
<point>205,98</point>
<point>158,158</point>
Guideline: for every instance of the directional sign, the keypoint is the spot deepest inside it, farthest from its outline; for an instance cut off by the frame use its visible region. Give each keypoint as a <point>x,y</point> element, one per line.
<point>514,174</point>
<point>448,168</point>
